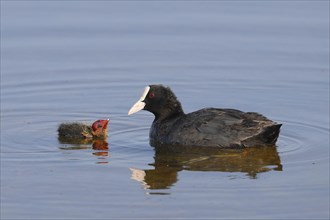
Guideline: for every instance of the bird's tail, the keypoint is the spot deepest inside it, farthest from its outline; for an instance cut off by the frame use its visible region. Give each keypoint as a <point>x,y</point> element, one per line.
<point>270,134</point>
<point>267,137</point>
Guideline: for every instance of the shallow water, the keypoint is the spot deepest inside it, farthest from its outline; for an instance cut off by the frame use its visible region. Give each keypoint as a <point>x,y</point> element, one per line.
<point>82,61</point>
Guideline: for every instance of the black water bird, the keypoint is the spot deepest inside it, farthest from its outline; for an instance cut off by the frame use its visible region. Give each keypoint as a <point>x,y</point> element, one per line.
<point>208,127</point>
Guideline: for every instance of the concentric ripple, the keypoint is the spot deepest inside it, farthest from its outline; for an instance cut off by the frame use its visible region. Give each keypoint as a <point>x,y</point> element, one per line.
<point>34,107</point>
<point>301,142</point>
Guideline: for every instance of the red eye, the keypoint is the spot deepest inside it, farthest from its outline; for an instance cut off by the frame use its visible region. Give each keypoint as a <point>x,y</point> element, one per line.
<point>151,95</point>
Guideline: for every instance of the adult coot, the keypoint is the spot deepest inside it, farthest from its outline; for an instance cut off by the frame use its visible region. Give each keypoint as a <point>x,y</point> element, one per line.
<point>208,127</point>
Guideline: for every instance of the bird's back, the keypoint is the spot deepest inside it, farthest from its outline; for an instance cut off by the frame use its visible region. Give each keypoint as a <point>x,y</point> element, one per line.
<point>211,127</point>
<point>73,130</point>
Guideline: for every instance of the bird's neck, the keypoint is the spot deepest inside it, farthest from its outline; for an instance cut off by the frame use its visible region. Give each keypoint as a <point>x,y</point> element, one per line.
<point>171,110</point>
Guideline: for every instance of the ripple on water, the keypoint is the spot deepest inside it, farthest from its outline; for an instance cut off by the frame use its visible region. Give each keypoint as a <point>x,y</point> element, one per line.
<point>301,142</point>
<point>34,131</point>
<point>34,107</point>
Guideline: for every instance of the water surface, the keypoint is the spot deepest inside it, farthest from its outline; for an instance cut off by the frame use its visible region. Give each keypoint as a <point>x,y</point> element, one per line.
<point>84,60</point>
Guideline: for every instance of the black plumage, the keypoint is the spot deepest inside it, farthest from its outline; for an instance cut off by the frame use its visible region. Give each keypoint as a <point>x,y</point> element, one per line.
<point>208,127</point>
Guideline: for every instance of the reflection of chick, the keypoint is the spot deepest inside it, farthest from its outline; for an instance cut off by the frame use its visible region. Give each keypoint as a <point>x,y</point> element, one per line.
<point>98,130</point>
<point>100,144</point>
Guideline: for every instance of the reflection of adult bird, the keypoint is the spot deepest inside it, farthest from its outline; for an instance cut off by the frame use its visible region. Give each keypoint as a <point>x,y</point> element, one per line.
<point>208,127</point>
<point>159,178</point>
<point>167,164</point>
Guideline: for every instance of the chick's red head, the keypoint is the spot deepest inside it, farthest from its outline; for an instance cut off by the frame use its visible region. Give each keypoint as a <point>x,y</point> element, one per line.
<point>100,124</point>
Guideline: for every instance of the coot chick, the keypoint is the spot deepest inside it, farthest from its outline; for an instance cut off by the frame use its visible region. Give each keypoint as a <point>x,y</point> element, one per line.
<point>208,127</point>
<point>76,130</point>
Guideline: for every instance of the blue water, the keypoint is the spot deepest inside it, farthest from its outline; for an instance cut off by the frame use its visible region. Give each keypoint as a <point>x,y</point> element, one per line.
<point>88,60</point>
